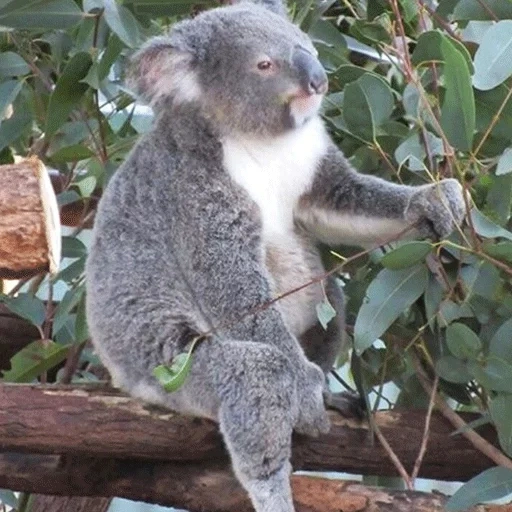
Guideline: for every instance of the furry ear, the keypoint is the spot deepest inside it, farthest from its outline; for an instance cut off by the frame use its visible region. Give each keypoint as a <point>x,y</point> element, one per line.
<point>276,6</point>
<point>160,70</point>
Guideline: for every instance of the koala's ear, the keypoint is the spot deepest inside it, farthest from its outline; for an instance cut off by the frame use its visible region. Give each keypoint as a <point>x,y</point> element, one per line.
<point>276,6</point>
<point>163,68</point>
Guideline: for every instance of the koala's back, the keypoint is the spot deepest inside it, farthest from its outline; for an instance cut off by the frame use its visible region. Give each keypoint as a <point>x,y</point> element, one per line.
<point>131,266</point>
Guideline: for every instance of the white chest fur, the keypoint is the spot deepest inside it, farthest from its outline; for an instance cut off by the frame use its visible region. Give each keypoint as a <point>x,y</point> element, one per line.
<point>275,173</point>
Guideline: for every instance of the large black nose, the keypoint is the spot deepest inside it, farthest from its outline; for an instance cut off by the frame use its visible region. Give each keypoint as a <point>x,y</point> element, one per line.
<point>312,76</point>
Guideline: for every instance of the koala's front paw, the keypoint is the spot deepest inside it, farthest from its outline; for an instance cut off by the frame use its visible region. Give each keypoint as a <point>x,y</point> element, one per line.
<point>437,209</point>
<point>313,419</point>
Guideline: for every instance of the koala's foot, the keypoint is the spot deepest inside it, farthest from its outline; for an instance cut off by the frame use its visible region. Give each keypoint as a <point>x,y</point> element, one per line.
<point>347,403</point>
<point>313,419</point>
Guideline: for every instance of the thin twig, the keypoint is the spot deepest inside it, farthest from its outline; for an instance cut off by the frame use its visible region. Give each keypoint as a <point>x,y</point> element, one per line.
<point>475,439</point>
<point>393,457</point>
<point>426,432</point>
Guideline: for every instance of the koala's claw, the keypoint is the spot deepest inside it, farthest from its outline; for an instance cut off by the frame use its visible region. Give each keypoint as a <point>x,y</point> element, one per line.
<point>438,209</point>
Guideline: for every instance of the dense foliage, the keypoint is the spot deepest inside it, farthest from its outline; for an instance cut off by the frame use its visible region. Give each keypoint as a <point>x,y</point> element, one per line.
<point>419,90</point>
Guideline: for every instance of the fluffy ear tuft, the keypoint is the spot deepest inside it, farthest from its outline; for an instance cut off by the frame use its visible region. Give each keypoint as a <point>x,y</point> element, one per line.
<point>276,6</point>
<point>160,70</point>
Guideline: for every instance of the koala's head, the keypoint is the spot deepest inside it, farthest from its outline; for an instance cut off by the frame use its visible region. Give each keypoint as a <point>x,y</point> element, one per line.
<point>246,66</point>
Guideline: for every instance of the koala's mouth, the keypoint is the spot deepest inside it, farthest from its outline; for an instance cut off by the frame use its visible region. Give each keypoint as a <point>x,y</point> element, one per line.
<point>303,106</point>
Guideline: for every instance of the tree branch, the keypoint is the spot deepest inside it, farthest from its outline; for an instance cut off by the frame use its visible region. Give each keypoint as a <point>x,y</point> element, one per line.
<point>208,486</point>
<point>99,422</point>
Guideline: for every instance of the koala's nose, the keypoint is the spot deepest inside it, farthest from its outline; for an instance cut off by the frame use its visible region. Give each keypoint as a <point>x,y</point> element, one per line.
<point>312,76</point>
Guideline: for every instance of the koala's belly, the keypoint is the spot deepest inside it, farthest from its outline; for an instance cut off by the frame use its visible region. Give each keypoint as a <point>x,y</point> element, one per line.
<point>293,262</point>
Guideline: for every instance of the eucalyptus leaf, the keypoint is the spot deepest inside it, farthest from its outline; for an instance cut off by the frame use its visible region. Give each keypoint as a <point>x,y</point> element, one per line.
<point>325,313</point>
<point>34,359</point>
<point>493,374</point>
<point>389,294</point>
<point>463,342</point>
<point>501,414</point>
<point>458,116</point>
<point>486,227</point>
<point>172,377</point>
<point>493,59</point>
<point>505,163</point>
<point>68,92</point>
<point>492,484</point>
<point>406,255</point>
<point>452,369</point>
<point>501,343</point>
<point>11,64</point>
<point>56,14</point>
<point>367,103</point>
<point>27,306</point>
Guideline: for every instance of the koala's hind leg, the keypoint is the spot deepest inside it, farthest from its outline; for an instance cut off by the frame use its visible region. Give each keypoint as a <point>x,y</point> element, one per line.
<point>255,389</point>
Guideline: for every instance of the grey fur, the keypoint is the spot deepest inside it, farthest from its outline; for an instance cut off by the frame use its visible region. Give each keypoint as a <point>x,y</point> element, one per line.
<point>180,246</point>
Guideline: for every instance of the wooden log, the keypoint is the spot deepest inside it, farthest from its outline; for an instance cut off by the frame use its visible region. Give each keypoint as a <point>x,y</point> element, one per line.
<point>199,487</point>
<point>46,503</point>
<point>29,221</point>
<point>81,421</point>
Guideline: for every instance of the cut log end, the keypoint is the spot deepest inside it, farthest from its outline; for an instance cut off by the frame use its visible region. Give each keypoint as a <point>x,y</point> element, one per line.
<point>30,239</point>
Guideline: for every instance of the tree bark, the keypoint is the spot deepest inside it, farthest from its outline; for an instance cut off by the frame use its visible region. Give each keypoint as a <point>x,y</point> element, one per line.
<point>205,487</point>
<point>29,221</point>
<point>95,422</point>
<point>46,503</point>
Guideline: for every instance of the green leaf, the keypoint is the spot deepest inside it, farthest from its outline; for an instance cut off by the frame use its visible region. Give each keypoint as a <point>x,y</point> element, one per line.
<point>500,250</point>
<point>66,305</point>
<point>458,110</point>
<point>72,153</point>
<point>463,342</point>
<point>27,306</point>
<point>429,48</point>
<point>493,59</point>
<point>87,185</point>
<point>11,64</point>
<point>122,23</point>
<point>485,227</point>
<point>72,247</point>
<point>492,484</point>
<point>173,377</point>
<point>68,91</point>
<point>501,414</point>
<point>8,92</point>
<point>483,10</point>
<point>389,294</point>
<point>47,14</point>
<point>73,271</point>
<point>501,343</point>
<point>367,103</point>
<point>325,313</point>
<point>452,369</point>
<point>433,297</point>
<point>412,150</point>
<point>13,128</point>
<point>34,359</point>
<point>406,255</point>
<point>505,163</point>
<point>494,373</point>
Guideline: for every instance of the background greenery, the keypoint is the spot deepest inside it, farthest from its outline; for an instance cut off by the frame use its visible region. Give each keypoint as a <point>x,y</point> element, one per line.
<point>419,90</point>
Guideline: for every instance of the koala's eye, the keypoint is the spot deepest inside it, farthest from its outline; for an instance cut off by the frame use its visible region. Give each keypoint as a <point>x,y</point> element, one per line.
<point>265,65</point>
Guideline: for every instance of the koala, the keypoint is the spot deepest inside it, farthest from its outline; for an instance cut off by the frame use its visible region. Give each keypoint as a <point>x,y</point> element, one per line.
<point>220,209</point>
